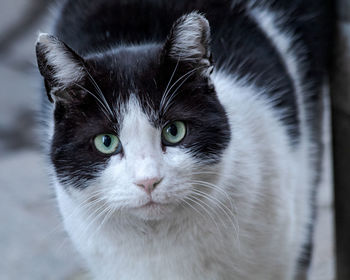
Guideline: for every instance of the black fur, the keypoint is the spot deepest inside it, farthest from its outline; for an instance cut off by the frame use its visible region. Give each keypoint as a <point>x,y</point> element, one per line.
<point>235,39</point>
<point>95,26</point>
<point>145,73</point>
<point>89,27</point>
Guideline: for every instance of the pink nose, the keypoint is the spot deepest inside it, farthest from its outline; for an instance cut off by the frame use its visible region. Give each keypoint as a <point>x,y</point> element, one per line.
<point>148,184</point>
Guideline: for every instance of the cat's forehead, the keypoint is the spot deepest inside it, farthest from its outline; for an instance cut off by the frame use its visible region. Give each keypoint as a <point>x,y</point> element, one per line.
<point>135,122</point>
<point>125,64</point>
<point>125,71</point>
<point>132,77</point>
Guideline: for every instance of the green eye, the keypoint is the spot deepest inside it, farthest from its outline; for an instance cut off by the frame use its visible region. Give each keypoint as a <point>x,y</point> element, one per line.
<point>107,143</point>
<point>173,133</point>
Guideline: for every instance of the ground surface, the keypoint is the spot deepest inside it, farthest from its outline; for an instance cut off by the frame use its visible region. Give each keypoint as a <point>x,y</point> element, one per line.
<point>33,244</point>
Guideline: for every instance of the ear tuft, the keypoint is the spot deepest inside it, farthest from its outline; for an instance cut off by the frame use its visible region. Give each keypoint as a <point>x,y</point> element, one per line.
<point>189,40</point>
<point>58,64</point>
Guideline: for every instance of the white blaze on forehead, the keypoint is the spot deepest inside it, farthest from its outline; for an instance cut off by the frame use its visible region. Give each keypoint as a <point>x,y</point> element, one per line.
<point>141,142</point>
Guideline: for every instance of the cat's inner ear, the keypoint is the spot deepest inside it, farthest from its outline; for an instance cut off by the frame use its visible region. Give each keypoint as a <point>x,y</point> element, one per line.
<point>189,41</point>
<point>58,64</point>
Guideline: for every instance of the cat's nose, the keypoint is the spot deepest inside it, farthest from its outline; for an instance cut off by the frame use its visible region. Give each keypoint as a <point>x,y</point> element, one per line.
<point>148,184</point>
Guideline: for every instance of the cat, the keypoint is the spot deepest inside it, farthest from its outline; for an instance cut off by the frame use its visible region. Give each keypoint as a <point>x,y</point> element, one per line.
<point>183,136</point>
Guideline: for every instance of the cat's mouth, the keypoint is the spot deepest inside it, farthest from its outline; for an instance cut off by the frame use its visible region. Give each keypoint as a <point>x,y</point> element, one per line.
<point>151,204</point>
<point>152,210</point>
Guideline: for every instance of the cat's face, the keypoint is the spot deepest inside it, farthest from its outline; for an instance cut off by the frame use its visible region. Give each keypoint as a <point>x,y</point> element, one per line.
<point>135,127</point>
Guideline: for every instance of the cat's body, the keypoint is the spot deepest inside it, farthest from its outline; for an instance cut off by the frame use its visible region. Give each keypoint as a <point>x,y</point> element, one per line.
<point>235,197</point>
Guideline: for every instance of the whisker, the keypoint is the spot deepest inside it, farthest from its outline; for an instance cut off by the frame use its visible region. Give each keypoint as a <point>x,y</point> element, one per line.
<point>95,216</point>
<point>177,81</point>
<point>107,213</point>
<point>98,89</point>
<point>85,204</point>
<point>221,206</point>
<point>217,188</point>
<point>173,95</point>
<point>104,109</point>
<point>170,80</point>
<point>194,208</point>
<point>195,200</point>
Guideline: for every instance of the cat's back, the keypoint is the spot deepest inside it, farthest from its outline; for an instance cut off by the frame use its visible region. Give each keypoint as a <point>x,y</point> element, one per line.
<point>90,26</point>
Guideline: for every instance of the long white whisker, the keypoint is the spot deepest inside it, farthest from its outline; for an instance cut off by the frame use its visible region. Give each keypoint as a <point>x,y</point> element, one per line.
<point>198,202</point>
<point>221,206</point>
<point>194,208</point>
<point>185,77</point>
<point>108,212</point>
<point>104,109</point>
<point>215,187</point>
<point>170,80</point>
<point>84,205</point>
<point>173,95</point>
<point>95,216</point>
<point>99,91</point>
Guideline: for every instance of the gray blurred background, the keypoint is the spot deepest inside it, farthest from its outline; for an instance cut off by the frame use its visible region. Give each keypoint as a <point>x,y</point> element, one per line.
<point>33,244</point>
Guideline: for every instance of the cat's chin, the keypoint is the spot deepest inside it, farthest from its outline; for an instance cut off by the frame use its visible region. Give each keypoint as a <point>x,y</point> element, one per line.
<point>153,211</point>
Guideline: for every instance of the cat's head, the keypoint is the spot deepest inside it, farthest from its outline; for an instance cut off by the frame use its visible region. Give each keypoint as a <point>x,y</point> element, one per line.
<point>136,126</point>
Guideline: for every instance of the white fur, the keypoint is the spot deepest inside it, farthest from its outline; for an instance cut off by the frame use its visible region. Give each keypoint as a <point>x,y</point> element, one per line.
<point>285,44</point>
<point>292,53</point>
<point>251,227</point>
<point>259,173</point>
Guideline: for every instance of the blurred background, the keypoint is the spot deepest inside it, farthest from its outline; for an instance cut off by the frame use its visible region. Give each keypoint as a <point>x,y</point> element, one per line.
<point>33,244</point>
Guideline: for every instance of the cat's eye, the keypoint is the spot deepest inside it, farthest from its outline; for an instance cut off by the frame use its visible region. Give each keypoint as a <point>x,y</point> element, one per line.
<point>173,133</point>
<point>107,143</point>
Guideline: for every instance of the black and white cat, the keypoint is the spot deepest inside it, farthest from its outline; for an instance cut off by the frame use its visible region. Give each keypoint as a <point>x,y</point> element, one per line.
<point>183,134</point>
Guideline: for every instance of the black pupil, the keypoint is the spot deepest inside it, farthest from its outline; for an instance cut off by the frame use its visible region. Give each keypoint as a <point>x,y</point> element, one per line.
<point>106,139</point>
<point>172,130</point>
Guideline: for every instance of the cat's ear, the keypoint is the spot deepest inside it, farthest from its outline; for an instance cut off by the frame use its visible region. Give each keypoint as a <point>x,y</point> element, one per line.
<point>189,42</point>
<point>60,66</point>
